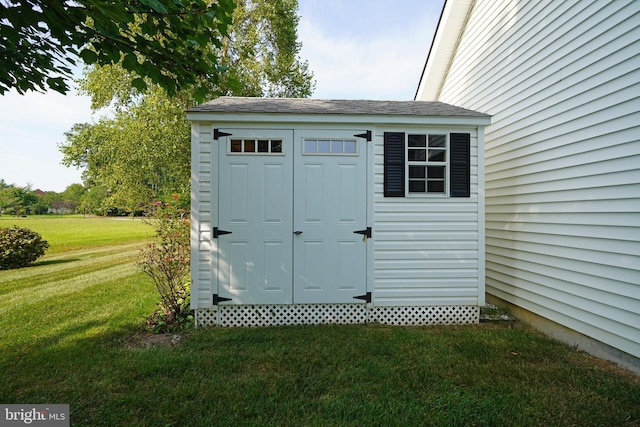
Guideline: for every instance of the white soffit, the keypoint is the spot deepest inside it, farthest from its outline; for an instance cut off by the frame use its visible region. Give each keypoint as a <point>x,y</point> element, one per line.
<point>450,27</point>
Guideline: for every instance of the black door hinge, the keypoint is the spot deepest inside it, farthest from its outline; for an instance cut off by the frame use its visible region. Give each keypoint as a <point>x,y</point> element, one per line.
<point>366,297</point>
<point>217,134</point>
<point>365,232</point>
<point>217,232</point>
<point>218,299</point>
<point>366,135</point>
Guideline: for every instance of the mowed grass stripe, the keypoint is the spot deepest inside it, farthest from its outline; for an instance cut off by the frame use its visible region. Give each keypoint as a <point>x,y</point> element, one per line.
<point>107,268</point>
<point>63,267</point>
<point>103,307</point>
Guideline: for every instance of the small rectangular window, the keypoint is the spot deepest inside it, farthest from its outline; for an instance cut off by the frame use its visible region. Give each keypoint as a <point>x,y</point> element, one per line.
<point>236,146</point>
<point>329,147</point>
<point>249,146</point>
<point>427,163</point>
<point>323,146</point>
<point>255,146</point>
<point>263,146</point>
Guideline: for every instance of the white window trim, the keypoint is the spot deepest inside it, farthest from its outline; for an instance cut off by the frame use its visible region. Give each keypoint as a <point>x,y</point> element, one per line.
<point>343,154</point>
<point>446,164</point>
<point>254,153</point>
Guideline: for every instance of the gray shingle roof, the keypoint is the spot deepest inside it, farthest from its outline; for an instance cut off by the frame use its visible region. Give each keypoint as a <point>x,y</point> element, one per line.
<point>227,104</point>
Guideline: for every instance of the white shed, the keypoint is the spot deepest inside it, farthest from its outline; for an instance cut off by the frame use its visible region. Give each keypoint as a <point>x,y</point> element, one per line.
<point>336,211</point>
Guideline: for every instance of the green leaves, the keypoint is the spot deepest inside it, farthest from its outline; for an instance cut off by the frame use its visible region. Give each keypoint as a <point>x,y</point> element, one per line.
<point>20,247</point>
<point>142,150</point>
<point>165,41</point>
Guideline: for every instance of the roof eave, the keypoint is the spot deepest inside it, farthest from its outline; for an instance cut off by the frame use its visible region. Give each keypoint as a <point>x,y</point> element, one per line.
<point>445,40</point>
<point>314,118</point>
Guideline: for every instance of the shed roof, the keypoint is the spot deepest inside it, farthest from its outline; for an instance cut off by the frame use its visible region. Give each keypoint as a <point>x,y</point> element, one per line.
<point>226,104</point>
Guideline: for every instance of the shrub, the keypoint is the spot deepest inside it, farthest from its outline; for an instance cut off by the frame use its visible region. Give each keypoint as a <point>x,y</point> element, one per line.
<point>19,247</point>
<point>166,262</point>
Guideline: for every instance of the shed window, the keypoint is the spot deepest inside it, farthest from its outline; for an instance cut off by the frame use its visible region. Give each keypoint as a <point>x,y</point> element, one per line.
<point>420,163</point>
<point>255,146</point>
<point>330,146</point>
<point>427,163</point>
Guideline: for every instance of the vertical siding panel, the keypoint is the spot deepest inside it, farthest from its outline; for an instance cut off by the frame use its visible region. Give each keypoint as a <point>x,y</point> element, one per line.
<point>562,82</point>
<point>202,214</point>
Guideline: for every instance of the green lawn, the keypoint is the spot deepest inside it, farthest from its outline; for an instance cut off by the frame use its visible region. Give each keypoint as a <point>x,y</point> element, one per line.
<point>66,336</point>
<point>70,232</point>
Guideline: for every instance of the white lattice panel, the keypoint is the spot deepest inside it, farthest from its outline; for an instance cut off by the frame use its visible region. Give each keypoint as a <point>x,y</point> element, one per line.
<point>311,314</point>
<point>206,317</point>
<point>436,315</point>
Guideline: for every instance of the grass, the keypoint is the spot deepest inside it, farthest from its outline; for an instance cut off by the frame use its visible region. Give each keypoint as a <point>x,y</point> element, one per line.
<point>67,326</point>
<point>75,232</point>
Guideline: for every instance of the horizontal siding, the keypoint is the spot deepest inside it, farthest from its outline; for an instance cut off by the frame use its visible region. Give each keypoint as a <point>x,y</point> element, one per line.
<point>203,195</point>
<point>425,248</point>
<point>562,81</point>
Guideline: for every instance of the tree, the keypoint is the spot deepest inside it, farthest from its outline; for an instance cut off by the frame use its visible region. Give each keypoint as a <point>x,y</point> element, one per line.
<point>141,151</point>
<point>17,200</point>
<point>164,41</point>
<point>139,154</point>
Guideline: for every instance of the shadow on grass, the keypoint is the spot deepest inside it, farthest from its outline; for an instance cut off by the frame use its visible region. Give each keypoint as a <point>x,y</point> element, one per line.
<point>318,375</point>
<point>53,262</point>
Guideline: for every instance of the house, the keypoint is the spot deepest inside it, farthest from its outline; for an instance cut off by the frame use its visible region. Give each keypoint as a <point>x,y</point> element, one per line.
<point>336,211</point>
<point>561,80</point>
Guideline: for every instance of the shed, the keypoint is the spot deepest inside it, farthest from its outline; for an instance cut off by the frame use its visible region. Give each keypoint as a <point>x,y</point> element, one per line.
<point>336,211</point>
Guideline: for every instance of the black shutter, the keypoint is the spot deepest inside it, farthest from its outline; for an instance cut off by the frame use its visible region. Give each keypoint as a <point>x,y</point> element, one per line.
<point>394,164</point>
<point>460,177</point>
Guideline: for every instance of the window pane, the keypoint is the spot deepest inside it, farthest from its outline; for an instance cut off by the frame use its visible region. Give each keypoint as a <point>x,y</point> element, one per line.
<point>350,147</point>
<point>323,146</point>
<point>417,140</point>
<point>336,146</point>
<point>249,146</point>
<point>437,140</point>
<point>310,146</point>
<point>417,155</point>
<point>236,146</point>
<point>436,172</point>
<point>263,146</point>
<point>436,186</point>
<point>437,156</point>
<point>417,172</point>
<point>416,186</point>
<point>276,146</point>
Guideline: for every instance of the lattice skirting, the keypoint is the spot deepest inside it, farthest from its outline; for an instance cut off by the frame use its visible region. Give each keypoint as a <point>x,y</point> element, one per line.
<point>311,314</point>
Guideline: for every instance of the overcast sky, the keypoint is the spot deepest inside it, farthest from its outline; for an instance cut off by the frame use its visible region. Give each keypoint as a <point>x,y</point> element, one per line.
<point>357,49</point>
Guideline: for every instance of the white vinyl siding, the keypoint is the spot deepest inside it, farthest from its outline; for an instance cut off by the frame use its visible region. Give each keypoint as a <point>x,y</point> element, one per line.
<point>203,193</point>
<point>562,81</point>
<point>427,250</point>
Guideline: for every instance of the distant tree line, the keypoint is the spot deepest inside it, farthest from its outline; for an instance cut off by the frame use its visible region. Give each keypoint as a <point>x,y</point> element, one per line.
<point>16,200</point>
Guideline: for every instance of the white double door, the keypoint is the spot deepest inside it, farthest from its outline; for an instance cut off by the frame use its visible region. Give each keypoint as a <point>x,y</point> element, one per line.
<point>292,213</point>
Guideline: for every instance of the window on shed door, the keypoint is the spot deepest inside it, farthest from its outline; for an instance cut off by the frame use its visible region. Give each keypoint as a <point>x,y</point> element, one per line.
<point>255,146</point>
<point>427,163</point>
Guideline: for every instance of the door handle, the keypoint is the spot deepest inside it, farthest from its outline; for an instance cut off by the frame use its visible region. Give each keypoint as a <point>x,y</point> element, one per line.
<point>297,233</point>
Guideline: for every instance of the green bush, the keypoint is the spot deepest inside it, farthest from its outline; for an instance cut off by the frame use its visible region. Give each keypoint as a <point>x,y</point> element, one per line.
<point>19,247</point>
<point>166,262</point>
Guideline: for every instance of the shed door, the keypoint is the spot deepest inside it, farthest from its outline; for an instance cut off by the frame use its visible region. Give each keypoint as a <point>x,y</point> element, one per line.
<point>330,199</point>
<point>291,207</point>
<point>255,205</point>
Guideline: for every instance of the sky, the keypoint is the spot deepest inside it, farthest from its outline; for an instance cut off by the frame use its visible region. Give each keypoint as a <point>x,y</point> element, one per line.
<point>357,49</point>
